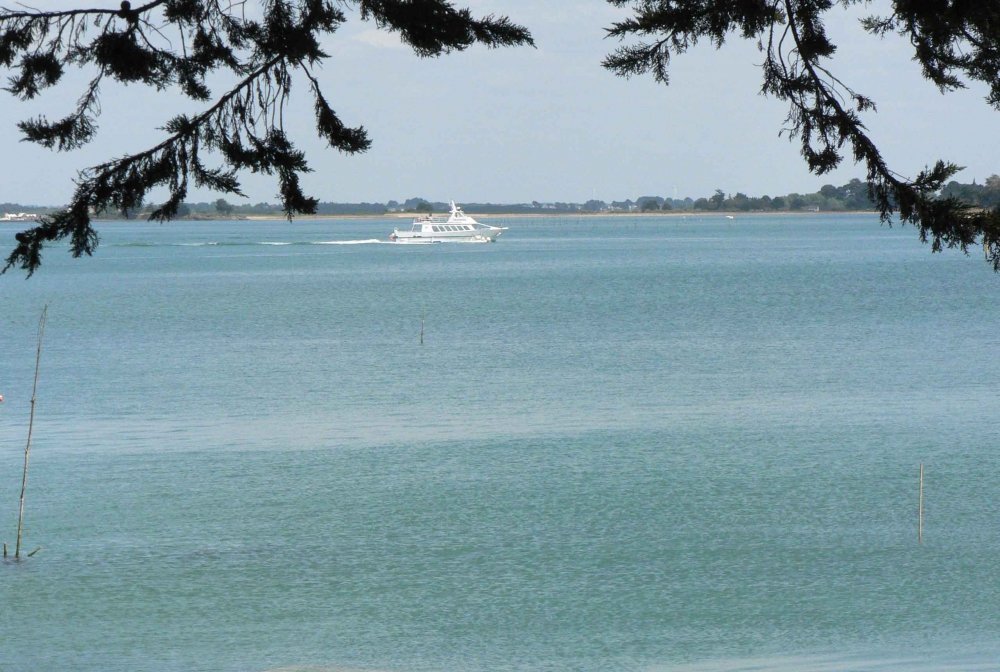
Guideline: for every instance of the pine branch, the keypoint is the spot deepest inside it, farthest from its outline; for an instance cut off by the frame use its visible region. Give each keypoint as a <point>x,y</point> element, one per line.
<point>823,111</point>
<point>244,126</point>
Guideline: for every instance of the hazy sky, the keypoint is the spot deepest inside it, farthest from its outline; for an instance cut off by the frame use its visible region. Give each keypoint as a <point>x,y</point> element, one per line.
<point>546,124</point>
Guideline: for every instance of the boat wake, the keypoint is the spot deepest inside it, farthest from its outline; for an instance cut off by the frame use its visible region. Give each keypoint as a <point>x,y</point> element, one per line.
<point>367,241</point>
<point>252,243</point>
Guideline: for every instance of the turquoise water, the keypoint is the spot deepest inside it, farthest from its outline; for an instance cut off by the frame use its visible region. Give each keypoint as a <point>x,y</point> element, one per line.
<point>625,444</point>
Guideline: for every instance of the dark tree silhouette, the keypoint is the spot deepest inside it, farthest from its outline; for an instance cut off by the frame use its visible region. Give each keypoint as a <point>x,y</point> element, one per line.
<point>176,44</point>
<point>952,39</point>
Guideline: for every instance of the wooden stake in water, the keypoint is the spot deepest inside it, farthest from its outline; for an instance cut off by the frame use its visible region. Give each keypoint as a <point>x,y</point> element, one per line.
<point>920,507</point>
<point>421,327</point>
<point>27,447</point>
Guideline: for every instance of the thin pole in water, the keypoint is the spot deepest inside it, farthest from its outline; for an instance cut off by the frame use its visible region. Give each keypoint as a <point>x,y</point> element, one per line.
<point>31,423</point>
<point>920,507</point>
<point>421,327</point>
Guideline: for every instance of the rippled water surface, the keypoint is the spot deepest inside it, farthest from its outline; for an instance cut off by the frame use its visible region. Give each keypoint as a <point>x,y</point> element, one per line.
<point>625,444</point>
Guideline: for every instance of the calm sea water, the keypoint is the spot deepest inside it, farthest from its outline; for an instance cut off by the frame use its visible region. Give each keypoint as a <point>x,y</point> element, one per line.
<point>625,444</point>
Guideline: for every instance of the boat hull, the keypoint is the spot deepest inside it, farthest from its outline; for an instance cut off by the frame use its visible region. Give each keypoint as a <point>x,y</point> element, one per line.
<point>403,237</point>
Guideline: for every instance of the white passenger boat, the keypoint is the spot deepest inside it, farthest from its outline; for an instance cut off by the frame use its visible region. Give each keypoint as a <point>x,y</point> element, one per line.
<point>457,227</point>
<point>18,217</point>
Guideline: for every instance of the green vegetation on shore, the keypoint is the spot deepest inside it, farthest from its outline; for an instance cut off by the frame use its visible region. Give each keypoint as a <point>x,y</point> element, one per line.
<point>852,196</point>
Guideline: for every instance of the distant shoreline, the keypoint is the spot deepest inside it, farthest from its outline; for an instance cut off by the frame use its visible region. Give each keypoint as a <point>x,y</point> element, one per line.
<point>734,214</point>
<point>538,215</point>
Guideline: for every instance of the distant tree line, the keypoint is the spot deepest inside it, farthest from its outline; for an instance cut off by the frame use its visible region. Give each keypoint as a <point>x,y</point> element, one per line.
<point>852,196</point>
<point>986,195</point>
<point>830,198</point>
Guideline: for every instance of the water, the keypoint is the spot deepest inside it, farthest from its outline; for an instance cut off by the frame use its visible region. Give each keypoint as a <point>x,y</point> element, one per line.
<point>626,444</point>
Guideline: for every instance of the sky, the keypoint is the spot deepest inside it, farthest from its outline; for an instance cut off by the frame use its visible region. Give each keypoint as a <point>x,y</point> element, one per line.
<point>542,124</point>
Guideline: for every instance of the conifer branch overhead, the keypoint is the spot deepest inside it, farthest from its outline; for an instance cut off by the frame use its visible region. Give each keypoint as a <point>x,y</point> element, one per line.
<point>174,45</point>
<point>951,39</point>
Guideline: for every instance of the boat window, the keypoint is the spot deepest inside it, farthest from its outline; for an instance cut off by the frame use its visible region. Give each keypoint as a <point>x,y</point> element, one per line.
<point>437,228</point>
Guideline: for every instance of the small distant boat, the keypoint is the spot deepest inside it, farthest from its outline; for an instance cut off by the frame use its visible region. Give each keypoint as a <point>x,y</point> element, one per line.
<point>457,227</point>
<point>19,217</point>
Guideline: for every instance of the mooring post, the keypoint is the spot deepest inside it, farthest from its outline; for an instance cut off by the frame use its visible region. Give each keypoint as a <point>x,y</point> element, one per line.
<point>920,507</point>
<point>31,423</point>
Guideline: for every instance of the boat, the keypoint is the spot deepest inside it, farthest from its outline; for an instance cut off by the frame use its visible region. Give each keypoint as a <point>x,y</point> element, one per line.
<point>456,227</point>
<point>18,217</point>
